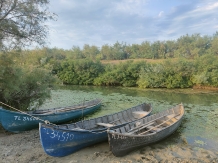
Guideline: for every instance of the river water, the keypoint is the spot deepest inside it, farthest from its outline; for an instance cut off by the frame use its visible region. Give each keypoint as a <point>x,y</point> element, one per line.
<point>199,127</point>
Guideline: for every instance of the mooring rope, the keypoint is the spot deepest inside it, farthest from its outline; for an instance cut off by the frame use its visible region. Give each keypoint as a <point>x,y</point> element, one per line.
<point>37,118</point>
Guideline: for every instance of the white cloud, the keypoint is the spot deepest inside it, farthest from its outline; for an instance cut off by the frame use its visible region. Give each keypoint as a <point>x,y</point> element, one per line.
<point>132,7</point>
<point>102,22</point>
<point>161,14</point>
<point>212,6</point>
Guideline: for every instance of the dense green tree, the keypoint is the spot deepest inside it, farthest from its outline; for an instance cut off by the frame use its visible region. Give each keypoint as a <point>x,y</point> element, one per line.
<point>155,50</point>
<point>124,74</point>
<point>119,51</point>
<point>87,71</point>
<point>170,49</point>
<point>75,53</point>
<point>23,81</point>
<point>178,74</point>
<point>135,51</point>
<point>90,52</point>
<point>151,76</point>
<point>214,46</point>
<point>106,52</point>
<point>23,87</point>
<point>206,73</point>
<point>145,50</point>
<point>79,72</point>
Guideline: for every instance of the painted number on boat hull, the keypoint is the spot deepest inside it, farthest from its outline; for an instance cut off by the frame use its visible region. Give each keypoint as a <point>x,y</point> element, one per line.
<point>20,118</point>
<point>61,136</point>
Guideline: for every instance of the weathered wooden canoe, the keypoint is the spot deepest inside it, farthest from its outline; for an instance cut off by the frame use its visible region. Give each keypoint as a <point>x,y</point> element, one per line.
<point>62,140</point>
<point>145,131</point>
<point>17,122</point>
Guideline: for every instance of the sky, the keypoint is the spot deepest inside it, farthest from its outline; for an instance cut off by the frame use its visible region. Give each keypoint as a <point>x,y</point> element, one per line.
<point>101,22</point>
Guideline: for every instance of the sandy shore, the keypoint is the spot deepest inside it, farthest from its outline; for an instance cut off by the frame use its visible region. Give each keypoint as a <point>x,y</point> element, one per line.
<point>26,148</point>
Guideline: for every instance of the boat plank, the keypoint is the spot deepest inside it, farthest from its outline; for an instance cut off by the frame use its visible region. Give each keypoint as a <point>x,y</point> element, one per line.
<point>139,114</point>
<point>105,124</point>
<point>134,130</point>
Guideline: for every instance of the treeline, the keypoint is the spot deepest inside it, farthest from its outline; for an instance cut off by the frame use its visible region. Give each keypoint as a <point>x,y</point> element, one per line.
<point>187,46</point>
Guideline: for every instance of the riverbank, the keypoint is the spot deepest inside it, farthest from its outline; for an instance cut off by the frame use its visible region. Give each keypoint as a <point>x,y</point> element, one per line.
<point>26,148</point>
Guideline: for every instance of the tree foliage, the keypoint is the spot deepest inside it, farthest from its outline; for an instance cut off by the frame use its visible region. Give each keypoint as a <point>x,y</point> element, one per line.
<point>179,72</point>
<point>124,74</point>
<point>79,72</point>
<point>176,74</point>
<point>22,22</point>
<point>23,86</point>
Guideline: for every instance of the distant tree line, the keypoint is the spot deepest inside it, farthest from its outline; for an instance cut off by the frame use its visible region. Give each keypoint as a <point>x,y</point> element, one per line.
<point>187,46</point>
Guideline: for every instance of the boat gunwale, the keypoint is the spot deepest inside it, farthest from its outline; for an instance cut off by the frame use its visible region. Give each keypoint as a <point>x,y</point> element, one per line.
<point>53,109</point>
<point>111,131</point>
<point>56,127</point>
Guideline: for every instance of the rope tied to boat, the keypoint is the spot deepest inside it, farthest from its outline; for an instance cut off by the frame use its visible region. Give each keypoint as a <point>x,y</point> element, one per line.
<point>37,118</point>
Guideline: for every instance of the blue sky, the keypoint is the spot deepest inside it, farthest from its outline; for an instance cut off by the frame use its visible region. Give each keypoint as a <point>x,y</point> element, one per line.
<point>100,22</point>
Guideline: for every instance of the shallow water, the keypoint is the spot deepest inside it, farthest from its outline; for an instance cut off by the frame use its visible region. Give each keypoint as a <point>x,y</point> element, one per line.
<point>199,126</point>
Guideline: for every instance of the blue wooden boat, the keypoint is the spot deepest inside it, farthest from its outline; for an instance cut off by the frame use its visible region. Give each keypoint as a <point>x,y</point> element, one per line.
<point>62,140</point>
<point>145,131</point>
<point>16,122</point>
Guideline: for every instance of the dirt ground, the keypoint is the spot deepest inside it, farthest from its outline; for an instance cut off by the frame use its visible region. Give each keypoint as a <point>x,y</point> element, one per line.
<point>26,148</point>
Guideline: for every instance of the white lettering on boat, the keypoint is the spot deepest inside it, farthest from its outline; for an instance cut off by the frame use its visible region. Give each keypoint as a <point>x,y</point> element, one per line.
<point>21,118</point>
<point>60,136</point>
<point>118,136</point>
<point>131,141</point>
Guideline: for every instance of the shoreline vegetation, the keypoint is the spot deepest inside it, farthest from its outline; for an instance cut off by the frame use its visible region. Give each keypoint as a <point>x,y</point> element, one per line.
<point>191,61</point>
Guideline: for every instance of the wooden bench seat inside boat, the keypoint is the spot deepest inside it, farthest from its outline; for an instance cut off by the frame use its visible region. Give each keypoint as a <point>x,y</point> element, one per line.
<point>139,114</point>
<point>153,128</point>
<point>178,117</point>
<point>138,128</point>
<point>165,124</point>
<point>170,119</point>
<point>105,124</point>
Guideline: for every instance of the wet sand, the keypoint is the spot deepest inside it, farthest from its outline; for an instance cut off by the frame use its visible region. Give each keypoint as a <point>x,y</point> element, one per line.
<point>26,148</point>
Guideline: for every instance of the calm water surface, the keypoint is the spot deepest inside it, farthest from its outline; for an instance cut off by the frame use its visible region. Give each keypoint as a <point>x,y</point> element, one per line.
<point>200,124</point>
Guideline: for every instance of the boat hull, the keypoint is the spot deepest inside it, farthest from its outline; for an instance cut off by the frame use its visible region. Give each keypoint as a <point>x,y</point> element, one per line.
<point>18,122</point>
<point>145,131</point>
<point>59,143</point>
<point>121,144</point>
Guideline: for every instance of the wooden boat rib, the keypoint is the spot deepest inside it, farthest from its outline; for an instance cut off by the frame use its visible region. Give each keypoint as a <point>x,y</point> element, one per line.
<point>62,140</point>
<point>16,122</point>
<point>145,131</point>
